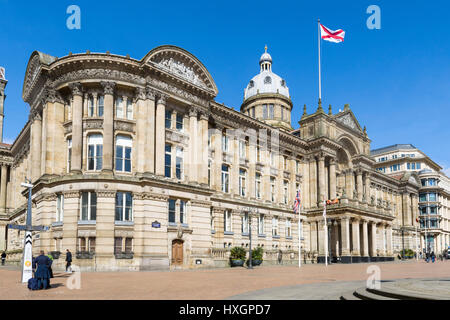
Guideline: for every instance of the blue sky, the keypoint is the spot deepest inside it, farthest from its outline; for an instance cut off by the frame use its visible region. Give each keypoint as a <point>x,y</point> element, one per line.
<point>395,79</point>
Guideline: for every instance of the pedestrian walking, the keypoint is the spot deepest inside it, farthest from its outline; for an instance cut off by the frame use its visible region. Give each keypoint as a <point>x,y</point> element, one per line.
<point>68,260</point>
<point>433,256</point>
<point>427,255</point>
<point>42,273</point>
<point>3,258</point>
<point>50,265</point>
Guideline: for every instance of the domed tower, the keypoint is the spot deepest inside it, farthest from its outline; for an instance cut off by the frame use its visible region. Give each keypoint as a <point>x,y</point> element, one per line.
<point>266,97</point>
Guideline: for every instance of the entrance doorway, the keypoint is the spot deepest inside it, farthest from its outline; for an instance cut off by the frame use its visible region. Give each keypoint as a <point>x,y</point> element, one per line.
<point>177,252</point>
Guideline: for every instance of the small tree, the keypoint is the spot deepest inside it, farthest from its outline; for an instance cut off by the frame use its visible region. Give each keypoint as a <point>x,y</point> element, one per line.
<point>257,254</point>
<point>237,253</point>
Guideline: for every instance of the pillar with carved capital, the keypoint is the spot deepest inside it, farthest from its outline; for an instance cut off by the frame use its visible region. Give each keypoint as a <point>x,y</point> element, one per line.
<point>160,135</point>
<point>70,219</point>
<point>365,236</point>
<point>36,141</point>
<point>108,126</point>
<point>203,152</point>
<point>373,240</point>
<point>141,129</point>
<point>345,236</point>
<point>349,183</point>
<point>321,182</point>
<point>2,237</point>
<point>217,163</point>
<point>406,209</point>
<point>150,96</point>
<point>356,251</point>
<point>389,240</point>
<point>359,184</point>
<point>104,242</point>
<point>314,197</point>
<point>383,239</point>
<point>193,144</point>
<point>367,188</point>
<point>305,191</point>
<point>332,178</point>
<point>3,190</point>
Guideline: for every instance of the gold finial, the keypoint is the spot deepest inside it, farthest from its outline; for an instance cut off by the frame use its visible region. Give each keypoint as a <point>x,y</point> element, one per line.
<point>265,48</point>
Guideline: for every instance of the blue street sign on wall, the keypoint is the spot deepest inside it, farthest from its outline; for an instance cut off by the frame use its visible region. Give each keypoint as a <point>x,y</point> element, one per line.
<point>156,224</point>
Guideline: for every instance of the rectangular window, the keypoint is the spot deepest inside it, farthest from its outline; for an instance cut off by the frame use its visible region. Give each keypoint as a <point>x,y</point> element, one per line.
<point>168,119</point>
<point>91,244</point>
<point>179,163</point>
<point>242,150</point>
<point>119,107</point>
<point>242,182</point>
<point>183,212</point>
<point>100,105</point>
<point>245,228</point>
<point>408,166</point>
<point>258,154</point>
<point>227,221</point>
<point>261,224</point>
<point>423,210</point>
<point>288,228</point>
<point>271,113</point>
<point>274,226</point>
<point>82,244</point>
<point>264,111</point>
<point>60,207</point>
<point>282,113</point>
<point>124,206</point>
<point>225,179</point>
<point>69,154</point>
<point>91,106</point>
<point>253,112</point>
<point>297,167</point>
<point>433,210</point>
<point>432,197</point>
<point>209,172</point>
<point>422,197</point>
<point>129,109</point>
<point>95,152</point>
<point>117,245</point>
<point>258,185</point>
<point>172,206</point>
<point>128,245</point>
<point>179,122</point>
<point>168,161</point>
<point>418,165</point>
<point>285,192</point>
<point>272,189</point>
<point>224,142</point>
<point>88,206</point>
<point>123,153</point>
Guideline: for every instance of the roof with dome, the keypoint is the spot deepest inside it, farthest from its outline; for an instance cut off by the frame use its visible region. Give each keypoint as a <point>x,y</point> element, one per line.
<point>266,81</point>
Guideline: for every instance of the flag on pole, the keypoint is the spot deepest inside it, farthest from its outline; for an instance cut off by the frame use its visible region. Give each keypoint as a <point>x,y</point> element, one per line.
<point>297,202</point>
<point>331,35</point>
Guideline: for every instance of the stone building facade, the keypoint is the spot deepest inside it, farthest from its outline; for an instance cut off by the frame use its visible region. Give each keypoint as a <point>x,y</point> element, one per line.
<point>135,166</point>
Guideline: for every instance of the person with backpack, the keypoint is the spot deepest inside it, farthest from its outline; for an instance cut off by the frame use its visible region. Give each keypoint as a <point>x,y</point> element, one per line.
<point>68,260</point>
<point>42,273</point>
<point>3,258</point>
<point>427,255</point>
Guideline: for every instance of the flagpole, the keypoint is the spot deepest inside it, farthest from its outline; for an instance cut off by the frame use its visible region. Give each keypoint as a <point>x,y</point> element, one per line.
<point>320,82</point>
<point>299,237</point>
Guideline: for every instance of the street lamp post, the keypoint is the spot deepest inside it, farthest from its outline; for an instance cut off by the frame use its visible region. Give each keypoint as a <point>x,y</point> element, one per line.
<point>250,210</point>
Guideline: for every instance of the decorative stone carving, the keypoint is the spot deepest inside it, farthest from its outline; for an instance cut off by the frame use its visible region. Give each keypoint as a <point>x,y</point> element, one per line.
<point>139,93</point>
<point>150,93</point>
<point>348,121</point>
<point>124,126</point>
<point>177,137</point>
<point>91,124</point>
<point>76,88</point>
<point>179,69</point>
<point>71,194</point>
<point>108,87</point>
<point>106,194</point>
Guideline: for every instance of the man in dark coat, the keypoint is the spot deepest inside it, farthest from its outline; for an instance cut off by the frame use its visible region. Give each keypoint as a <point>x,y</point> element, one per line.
<point>3,258</point>
<point>42,274</point>
<point>68,260</point>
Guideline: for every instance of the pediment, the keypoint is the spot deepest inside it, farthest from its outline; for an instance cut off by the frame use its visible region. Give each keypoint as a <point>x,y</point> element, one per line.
<point>348,119</point>
<point>181,64</point>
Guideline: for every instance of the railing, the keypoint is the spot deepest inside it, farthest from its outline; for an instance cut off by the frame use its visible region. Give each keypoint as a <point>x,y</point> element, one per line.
<point>220,253</point>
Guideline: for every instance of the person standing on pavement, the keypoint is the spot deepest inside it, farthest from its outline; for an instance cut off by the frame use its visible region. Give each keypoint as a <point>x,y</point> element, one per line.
<point>427,255</point>
<point>433,256</point>
<point>50,265</point>
<point>68,260</point>
<point>42,273</point>
<point>3,258</point>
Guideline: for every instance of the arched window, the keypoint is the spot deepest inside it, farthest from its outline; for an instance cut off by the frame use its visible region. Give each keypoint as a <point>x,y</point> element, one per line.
<point>124,145</point>
<point>95,151</point>
<point>267,80</point>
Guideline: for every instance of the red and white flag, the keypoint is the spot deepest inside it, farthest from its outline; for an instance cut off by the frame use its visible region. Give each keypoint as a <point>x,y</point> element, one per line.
<point>331,35</point>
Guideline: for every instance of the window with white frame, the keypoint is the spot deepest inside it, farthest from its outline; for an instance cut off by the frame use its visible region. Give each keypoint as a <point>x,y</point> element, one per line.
<point>225,178</point>
<point>179,122</point>
<point>183,212</point>
<point>288,228</point>
<point>272,159</point>
<point>258,185</point>
<point>285,191</point>
<point>100,105</point>
<point>297,167</point>
<point>209,171</point>
<point>274,226</point>
<point>245,225</point>
<point>124,146</point>
<point>242,149</point>
<point>60,208</point>
<point>264,111</point>
<point>88,206</point>
<point>225,146</point>
<point>261,224</point>
<point>271,113</point>
<point>129,109</point>
<point>179,171</point>
<point>91,106</point>
<point>242,182</point>
<point>258,154</point>
<point>172,210</point>
<point>285,163</point>
<point>69,154</point>
<point>272,189</point>
<point>168,119</point>
<point>227,221</point>
<point>168,161</point>
<point>119,107</point>
<point>95,152</point>
<point>124,206</point>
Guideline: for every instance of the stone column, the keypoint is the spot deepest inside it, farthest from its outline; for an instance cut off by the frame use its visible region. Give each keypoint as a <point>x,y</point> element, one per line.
<point>104,248</point>
<point>373,248</point>
<point>383,240</point>
<point>389,240</point>
<point>149,166</point>
<point>321,169</point>
<point>321,237</point>
<point>35,145</point>
<point>203,152</point>
<point>141,130</point>
<point>359,185</point>
<point>349,183</point>
<point>77,127</point>
<point>355,238</point>
<point>193,145</point>
<point>3,190</point>
<point>367,191</point>
<point>365,251</point>
<point>108,126</point>
<point>345,236</point>
<point>95,106</point>
<point>333,178</point>
<point>3,244</point>
<point>70,219</point>
<point>217,163</point>
<point>160,135</point>
<point>406,209</point>
<point>313,183</point>
<point>305,192</point>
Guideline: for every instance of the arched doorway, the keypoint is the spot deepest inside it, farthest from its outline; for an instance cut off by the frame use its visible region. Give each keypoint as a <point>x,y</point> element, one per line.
<point>177,252</point>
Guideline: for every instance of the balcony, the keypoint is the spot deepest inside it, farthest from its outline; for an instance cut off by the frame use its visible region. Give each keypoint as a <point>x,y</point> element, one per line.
<point>124,255</point>
<point>84,254</point>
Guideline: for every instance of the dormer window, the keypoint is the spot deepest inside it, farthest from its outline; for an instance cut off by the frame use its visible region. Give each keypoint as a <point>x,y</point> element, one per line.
<point>283,83</point>
<point>267,80</point>
<point>251,84</point>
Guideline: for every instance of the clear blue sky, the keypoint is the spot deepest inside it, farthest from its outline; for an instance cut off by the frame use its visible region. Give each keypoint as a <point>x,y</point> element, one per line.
<point>395,79</point>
